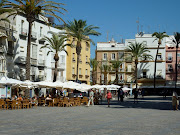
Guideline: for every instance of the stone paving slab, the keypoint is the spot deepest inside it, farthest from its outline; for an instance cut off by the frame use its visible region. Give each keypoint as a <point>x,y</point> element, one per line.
<point>151,116</point>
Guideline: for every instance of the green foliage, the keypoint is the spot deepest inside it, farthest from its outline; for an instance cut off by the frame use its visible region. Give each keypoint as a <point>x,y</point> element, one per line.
<point>79,30</point>
<point>56,43</point>
<point>34,9</point>
<point>159,36</point>
<point>94,64</point>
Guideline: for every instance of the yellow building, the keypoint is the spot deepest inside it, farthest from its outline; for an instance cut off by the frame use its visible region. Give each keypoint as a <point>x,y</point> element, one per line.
<point>84,60</point>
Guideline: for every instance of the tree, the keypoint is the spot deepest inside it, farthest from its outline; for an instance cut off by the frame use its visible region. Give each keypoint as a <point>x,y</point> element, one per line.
<point>159,36</point>
<point>32,10</point>
<point>56,44</point>
<point>80,31</point>
<point>94,65</point>
<point>176,41</point>
<point>138,51</point>
<point>4,10</point>
<point>115,65</point>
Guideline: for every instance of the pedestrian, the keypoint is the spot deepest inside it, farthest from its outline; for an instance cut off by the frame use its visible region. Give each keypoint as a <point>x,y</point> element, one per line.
<point>121,95</point>
<point>175,100</point>
<point>108,96</point>
<point>135,96</point>
<point>91,98</point>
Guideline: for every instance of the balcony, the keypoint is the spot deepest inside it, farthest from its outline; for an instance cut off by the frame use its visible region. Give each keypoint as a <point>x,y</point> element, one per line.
<point>33,35</point>
<point>159,59</point>
<point>73,60</point>
<point>23,33</point>
<point>41,39</point>
<point>41,62</point>
<point>21,60</point>
<point>40,77</point>
<point>1,49</point>
<point>80,76</point>
<point>33,61</point>
<point>170,70</point>
<point>73,75</point>
<point>86,76</point>
<point>169,59</point>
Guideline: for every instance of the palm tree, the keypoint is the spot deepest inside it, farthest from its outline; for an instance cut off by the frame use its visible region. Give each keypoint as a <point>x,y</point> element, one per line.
<point>56,44</point>
<point>176,41</point>
<point>115,65</point>
<point>138,51</point>
<point>32,10</point>
<point>94,65</point>
<point>159,36</point>
<point>4,10</point>
<point>80,31</point>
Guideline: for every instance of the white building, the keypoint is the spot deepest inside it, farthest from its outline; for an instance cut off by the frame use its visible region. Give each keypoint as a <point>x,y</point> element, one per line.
<point>146,67</point>
<point>14,48</point>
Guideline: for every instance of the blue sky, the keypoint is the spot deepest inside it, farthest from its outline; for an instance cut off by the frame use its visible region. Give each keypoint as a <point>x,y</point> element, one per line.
<point>118,17</point>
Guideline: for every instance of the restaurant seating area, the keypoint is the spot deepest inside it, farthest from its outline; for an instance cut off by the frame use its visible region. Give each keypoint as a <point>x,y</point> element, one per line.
<point>8,104</point>
<point>62,101</point>
<point>16,104</point>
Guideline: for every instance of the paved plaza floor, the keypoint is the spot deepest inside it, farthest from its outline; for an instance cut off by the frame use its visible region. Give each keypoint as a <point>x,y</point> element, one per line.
<point>153,115</point>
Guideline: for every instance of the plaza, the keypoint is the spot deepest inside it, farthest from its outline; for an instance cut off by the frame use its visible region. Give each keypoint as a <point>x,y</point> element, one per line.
<point>152,115</point>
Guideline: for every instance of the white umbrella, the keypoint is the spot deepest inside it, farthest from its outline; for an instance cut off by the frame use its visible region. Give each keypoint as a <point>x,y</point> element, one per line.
<point>126,89</point>
<point>70,85</point>
<point>112,87</point>
<point>9,81</point>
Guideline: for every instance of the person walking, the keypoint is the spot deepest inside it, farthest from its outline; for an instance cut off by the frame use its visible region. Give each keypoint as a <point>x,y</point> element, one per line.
<point>91,98</point>
<point>175,100</point>
<point>108,96</point>
<point>121,95</point>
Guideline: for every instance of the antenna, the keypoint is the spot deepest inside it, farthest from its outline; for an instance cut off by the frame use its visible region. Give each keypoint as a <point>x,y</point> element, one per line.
<point>137,25</point>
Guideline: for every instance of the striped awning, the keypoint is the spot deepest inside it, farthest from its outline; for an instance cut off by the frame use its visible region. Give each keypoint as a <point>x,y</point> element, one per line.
<point>2,35</point>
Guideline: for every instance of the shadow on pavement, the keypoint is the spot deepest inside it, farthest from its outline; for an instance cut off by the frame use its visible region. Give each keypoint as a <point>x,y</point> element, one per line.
<point>143,103</point>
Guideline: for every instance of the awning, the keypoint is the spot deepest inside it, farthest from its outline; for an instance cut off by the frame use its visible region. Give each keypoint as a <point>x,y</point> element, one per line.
<point>2,35</point>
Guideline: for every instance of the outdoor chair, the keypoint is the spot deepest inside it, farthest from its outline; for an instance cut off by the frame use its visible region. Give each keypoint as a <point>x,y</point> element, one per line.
<point>84,100</point>
<point>55,102</point>
<point>19,105</point>
<point>41,101</point>
<point>65,102</point>
<point>3,104</point>
<point>77,101</point>
<point>60,103</point>
<point>25,103</point>
<point>71,102</point>
<point>14,104</point>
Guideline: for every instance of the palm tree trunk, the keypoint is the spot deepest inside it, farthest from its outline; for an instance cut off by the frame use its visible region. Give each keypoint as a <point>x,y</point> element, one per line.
<point>78,51</point>
<point>155,67</point>
<point>92,77</point>
<point>117,77</point>
<point>136,62</point>
<point>176,67</point>
<point>28,57</point>
<point>105,78</point>
<point>55,72</point>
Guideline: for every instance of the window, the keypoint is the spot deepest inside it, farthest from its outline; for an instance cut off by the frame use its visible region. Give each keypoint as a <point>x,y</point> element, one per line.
<point>144,74</point>
<point>73,70</point>
<point>170,68</point>
<point>80,60</point>
<point>129,78</point>
<point>178,54</point>
<point>86,59</point>
<point>62,59</point>
<point>74,42</point>
<point>79,71</point>
<point>113,56</point>
<point>169,57</point>
<point>40,31</point>
<point>34,51</point>
<point>86,72</point>
<point>120,76</point>
<point>159,73</point>
<point>129,68</point>
<point>73,57</point>
<point>2,65</point>
<point>87,46</point>
<point>105,56</point>
<point>121,54</point>
<point>113,77</point>
<point>159,57</point>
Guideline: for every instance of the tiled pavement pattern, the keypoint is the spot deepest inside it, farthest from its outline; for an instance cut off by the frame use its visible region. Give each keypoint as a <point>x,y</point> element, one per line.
<point>151,116</point>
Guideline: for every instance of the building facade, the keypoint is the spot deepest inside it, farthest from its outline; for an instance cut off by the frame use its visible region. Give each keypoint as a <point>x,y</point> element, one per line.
<point>14,58</point>
<point>107,52</point>
<point>84,60</point>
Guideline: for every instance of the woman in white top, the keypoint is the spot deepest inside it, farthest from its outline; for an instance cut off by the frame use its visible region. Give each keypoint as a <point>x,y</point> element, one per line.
<point>175,101</point>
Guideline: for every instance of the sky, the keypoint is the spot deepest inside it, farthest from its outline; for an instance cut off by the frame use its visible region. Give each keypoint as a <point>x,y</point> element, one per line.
<point>118,17</point>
